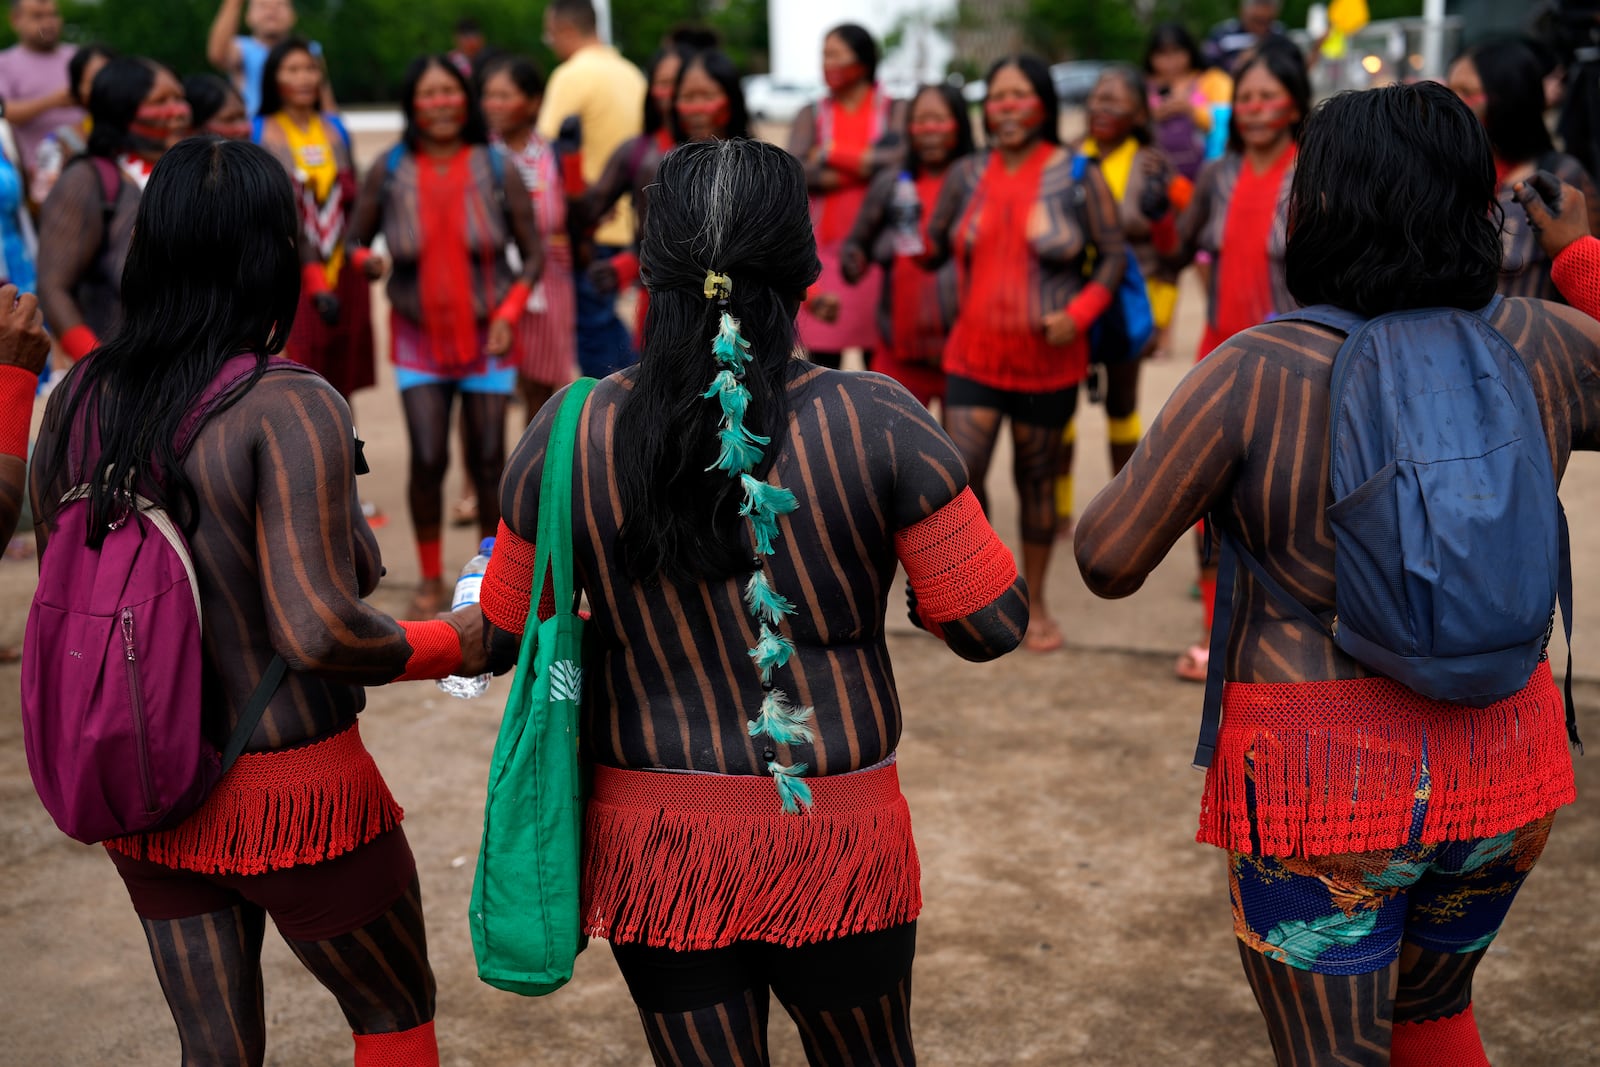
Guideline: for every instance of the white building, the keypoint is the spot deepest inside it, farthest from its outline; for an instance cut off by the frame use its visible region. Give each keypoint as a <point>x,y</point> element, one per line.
<point>922,54</point>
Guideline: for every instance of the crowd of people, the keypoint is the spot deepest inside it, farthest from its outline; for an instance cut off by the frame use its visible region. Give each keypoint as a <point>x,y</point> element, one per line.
<point>990,273</point>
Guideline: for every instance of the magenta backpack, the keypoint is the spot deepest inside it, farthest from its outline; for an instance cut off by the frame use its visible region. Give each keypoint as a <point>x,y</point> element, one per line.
<point>111,694</point>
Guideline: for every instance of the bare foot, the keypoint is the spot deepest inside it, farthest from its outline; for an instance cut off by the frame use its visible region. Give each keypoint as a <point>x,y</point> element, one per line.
<point>465,512</point>
<point>1192,665</point>
<point>429,600</point>
<point>1043,635</point>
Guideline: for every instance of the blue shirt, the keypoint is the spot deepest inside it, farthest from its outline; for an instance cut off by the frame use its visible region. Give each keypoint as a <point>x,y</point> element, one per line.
<point>253,58</point>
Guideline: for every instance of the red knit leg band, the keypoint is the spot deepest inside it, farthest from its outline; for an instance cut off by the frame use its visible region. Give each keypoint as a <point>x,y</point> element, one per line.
<point>955,561</point>
<point>508,583</point>
<point>430,559</point>
<point>1449,1042</point>
<point>17,386</point>
<point>417,1047</point>
<point>435,650</point>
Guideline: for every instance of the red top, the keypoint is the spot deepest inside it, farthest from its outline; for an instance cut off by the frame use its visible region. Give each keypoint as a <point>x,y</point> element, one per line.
<point>1243,292</point>
<point>998,339</point>
<point>846,136</point>
<point>916,316</point>
<point>446,284</point>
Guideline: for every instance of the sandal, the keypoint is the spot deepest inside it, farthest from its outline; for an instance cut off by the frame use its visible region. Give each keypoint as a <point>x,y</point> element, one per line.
<point>1044,635</point>
<point>1193,664</point>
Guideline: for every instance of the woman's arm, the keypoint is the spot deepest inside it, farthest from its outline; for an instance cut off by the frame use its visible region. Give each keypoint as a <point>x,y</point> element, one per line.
<point>24,347</point>
<point>856,255</point>
<point>616,180</point>
<point>946,214</point>
<point>71,234</point>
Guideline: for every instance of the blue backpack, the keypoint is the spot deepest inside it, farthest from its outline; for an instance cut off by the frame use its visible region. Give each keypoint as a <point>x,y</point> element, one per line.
<point>1129,314</point>
<point>1450,543</point>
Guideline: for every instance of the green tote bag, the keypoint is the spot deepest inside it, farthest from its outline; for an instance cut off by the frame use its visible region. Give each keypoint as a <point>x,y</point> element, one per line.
<point>524,916</point>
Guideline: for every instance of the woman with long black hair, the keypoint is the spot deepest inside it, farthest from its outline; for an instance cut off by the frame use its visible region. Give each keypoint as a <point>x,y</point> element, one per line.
<point>139,112</point>
<point>448,205</point>
<point>302,829</point>
<point>1502,84</point>
<point>1022,228</point>
<point>215,106</point>
<point>917,307</point>
<point>738,592</point>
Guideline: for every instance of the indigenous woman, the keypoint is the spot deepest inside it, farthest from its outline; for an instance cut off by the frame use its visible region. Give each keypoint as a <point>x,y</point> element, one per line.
<point>1022,230</point>
<point>746,833</point>
<point>1238,216</point>
<point>68,142</point>
<point>448,205</point>
<point>1376,839</point>
<point>917,306</point>
<point>546,344</point>
<point>844,140</point>
<point>139,112</point>
<point>215,106</point>
<point>1181,95</point>
<point>333,327</point>
<point>24,350</point>
<point>1502,84</point>
<point>302,828</point>
<point>1142,182</point>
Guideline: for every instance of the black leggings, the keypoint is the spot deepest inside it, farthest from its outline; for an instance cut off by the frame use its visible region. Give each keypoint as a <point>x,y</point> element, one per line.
<point>483,431</point>
<point>850,998</point>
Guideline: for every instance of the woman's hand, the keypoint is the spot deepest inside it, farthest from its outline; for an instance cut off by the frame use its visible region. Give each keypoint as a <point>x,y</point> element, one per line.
<point>603,276</point>
<point>375,266</point>
<point>1558,212</point>
<point>468,623</point>
<point>500,337</point>
<point>23,342</point>
<point>825,306</point>
<point>1059,328</point>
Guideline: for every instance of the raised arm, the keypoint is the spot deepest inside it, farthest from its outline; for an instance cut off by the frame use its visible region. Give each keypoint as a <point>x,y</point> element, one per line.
<point>72,228</point>
<point>1181,470</point>
<point>222,46</point>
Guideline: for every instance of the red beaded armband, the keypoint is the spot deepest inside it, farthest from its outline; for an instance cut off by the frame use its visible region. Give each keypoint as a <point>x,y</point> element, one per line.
<point>955,561</point>
<point>435,650</point>
<point>17,386</point>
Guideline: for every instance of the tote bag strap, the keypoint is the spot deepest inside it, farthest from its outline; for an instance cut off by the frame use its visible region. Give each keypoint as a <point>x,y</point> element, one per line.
<point>553,541</point>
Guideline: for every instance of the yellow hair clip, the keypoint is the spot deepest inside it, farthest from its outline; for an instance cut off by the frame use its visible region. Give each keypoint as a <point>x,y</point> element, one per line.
<point>718,286</point>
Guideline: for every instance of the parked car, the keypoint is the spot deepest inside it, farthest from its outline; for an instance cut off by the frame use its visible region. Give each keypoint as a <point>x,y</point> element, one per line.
<point>770,100</point>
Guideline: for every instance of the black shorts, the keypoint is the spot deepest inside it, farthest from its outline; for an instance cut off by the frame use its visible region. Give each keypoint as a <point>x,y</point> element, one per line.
<point>1033,409</point>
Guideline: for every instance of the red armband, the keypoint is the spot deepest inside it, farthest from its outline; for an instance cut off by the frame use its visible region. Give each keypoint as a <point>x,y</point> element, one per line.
<point>955,561</point>
<point>572,182</point>
<point>435,650</point>
<point>17,387</point>
<point>1576,272</point>
<point>1180,191</point>
<point>79,342</point>
<point>1088,306</point>
<point>360,258</point>
<point>626,264</point>
<point>314,279</point>
<point>515,303</point>
<point>508,583</point>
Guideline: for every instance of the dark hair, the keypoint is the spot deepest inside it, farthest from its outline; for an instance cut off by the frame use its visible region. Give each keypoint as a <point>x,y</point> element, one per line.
<point>524,74</point>
<point>271,95</point>
<point>859,41</point>
<point>80,62</point>
<point>738,207</point>
<point>720,69</point>
<point>1038,75</point>
<point>1287,66</point>
<point>473,131</point>
<point>467,26</point>
<point>965,142</point>
<point>213,271</point>
<point>1173,35</point>
<point>1390,207</point>
<point>207,94</point>
<point>114,100</point>
<point>1513,86</point>
<point>1133,81</point>
<point>579,14</point>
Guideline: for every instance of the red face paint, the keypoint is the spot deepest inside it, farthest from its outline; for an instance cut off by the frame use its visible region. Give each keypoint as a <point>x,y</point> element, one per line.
<point>715,111</point>
<point>233,131</point>
<point>158,122</point>
<point>919,129</point>
<point>1026,111</point>
<point>845,76</point>
<point>662,95</point>
<point>453,100</point>
<point>1273,114</point>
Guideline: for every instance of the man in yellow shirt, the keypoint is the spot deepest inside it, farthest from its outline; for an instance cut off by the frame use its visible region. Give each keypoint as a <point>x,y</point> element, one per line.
<point>606,94</point>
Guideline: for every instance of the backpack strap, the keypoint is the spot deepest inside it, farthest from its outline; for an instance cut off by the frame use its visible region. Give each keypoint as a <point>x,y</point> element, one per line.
<point>1564,601</point>
<point>1334,318</point>
<point>234,373</point>
<point>264,691</point>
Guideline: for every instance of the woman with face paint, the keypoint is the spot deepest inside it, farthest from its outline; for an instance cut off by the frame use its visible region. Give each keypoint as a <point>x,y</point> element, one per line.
<point>1023,230</point>
<point>1503,86</point>
<point>844,140</point>
<point>448,205</point>
<point>66,143</point>
<point>333,327</point>
<point>215,107</point>
<point>139,112</point>
<point>1145,186</point>
<point>1237,215</point>
<point>546,345</point>
<point>917,307</point>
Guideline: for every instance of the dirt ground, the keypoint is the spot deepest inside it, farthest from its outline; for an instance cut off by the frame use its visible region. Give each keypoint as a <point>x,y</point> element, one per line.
<point>1070,917</point>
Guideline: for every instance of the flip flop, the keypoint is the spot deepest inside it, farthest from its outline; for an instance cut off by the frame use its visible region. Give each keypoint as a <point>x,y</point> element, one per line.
<point>1192,665</point>
<point>1044,635</point>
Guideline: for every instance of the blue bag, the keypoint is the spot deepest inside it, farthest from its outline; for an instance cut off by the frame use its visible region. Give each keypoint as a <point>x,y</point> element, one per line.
<point>1120,334</point>
<point>1450,543</point>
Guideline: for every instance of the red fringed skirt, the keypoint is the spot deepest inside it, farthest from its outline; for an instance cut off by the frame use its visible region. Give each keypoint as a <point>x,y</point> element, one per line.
<point>274,810</point>
<point>701,861</point>
<point>1328,768</point>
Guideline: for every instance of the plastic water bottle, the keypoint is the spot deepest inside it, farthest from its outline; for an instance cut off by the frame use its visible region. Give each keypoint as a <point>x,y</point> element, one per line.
<point>467,589</point>
<point>905,212</point>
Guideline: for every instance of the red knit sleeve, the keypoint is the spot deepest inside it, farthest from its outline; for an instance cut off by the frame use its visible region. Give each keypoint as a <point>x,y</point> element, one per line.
<point>955,561</point>
<point>1576,272</point>
<point>435,650</point>
<point>1090,303</point>
<point>626,264</point>
<point>17,386</point>
<point>508,583</point>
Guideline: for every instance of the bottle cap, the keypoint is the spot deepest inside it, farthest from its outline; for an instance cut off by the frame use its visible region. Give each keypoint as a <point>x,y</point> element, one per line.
<point>486,548</point>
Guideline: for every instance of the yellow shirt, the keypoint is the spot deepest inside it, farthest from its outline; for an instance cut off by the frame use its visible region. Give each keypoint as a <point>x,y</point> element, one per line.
<point>607,93</point>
